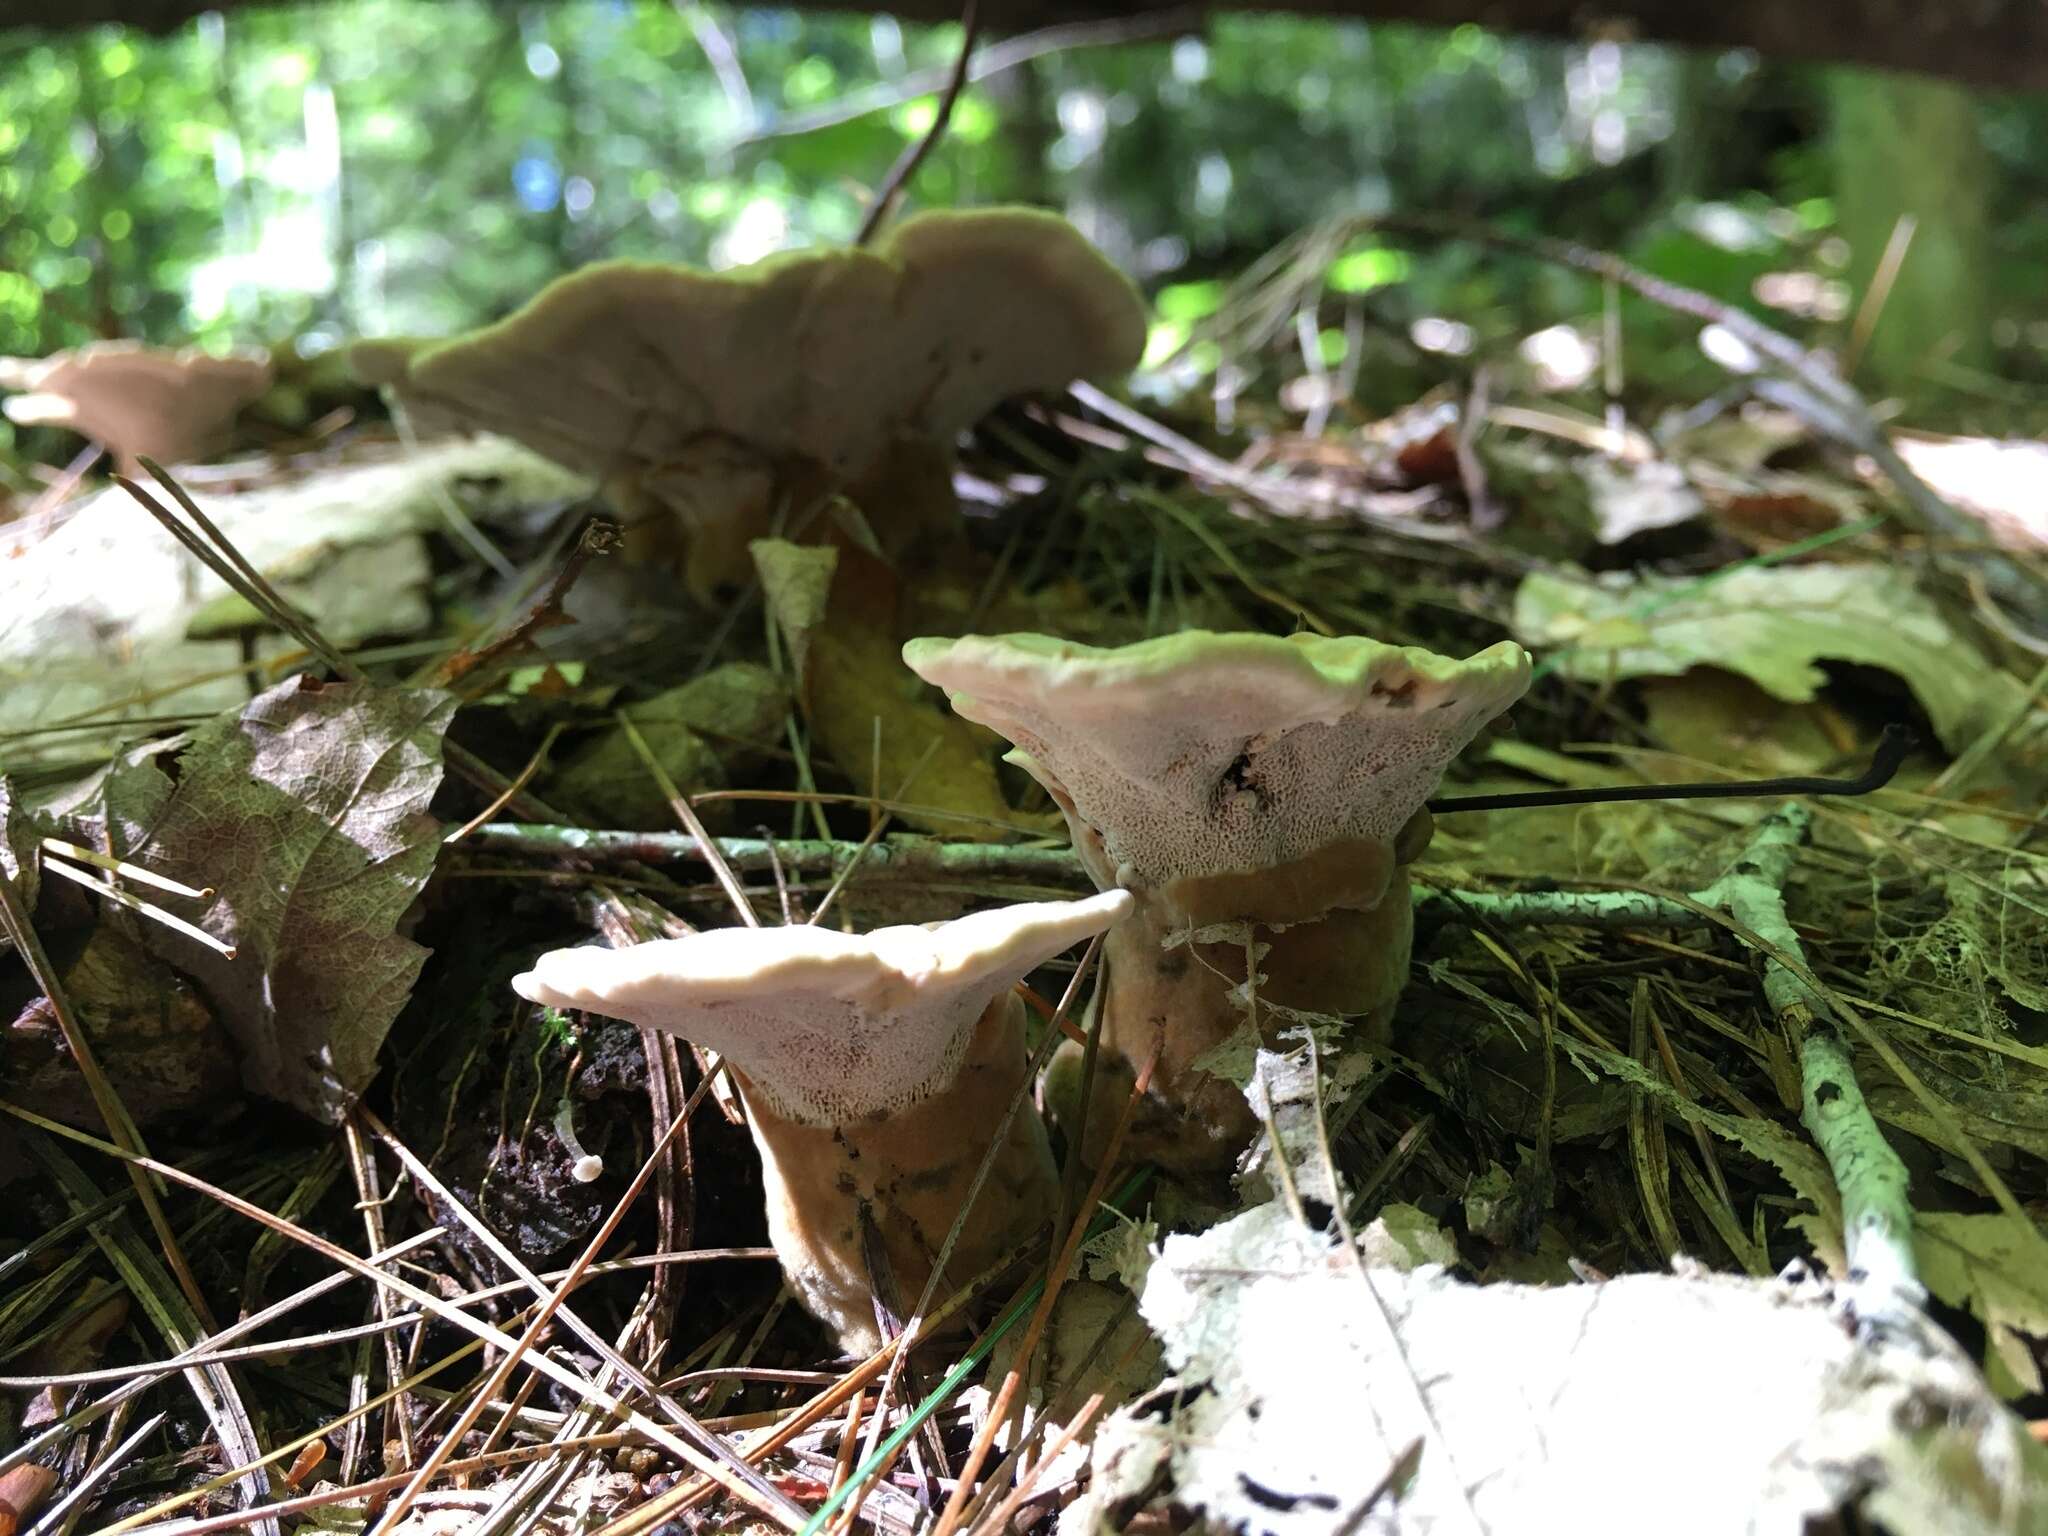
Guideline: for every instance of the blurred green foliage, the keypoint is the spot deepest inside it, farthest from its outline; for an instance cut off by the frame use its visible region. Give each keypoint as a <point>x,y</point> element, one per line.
<point>396,166</point>
<point>400,166</point>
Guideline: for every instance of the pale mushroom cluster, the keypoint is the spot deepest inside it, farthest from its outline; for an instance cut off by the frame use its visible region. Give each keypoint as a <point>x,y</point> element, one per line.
<point>136,401</point>
<point>877,1073</point>
<point>728,401</point>
<point>1246,802</point>
<point>1259,795</point>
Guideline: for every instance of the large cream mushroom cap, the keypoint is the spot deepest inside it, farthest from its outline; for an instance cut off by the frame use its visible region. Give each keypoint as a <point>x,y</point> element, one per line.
<point>1198,755</point>
<point>830,1027</point>
<point>138,401</point>
<point>826,357</point>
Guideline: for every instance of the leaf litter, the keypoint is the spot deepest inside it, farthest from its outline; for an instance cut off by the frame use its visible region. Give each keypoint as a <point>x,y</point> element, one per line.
<point>1600,1103</point>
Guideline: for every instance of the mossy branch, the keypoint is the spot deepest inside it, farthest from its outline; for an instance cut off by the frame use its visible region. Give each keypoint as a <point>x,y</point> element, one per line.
<point>1877,1216</point>
<point>906,858</point>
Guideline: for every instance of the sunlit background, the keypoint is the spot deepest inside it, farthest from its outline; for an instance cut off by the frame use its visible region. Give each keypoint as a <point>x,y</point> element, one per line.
<point>297,177</point>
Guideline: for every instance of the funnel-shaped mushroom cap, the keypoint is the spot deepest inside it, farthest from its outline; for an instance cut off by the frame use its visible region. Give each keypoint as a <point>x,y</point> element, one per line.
<point>626,368</point>
<point>138,401</point>
<point>1200,755</point>
<point>830,1027</point>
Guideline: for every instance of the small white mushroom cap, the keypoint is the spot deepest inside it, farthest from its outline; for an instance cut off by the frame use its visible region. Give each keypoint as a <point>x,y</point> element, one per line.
<point>138,401</point>
<point>831,1027</point>
<point>626,368</point>
<point>1198,755</point>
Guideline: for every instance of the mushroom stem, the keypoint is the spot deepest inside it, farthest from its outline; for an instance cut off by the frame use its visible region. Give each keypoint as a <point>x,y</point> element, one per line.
<point>1348,964</point>
<point>879,1072</point>
<point>584,1167</point>
<point>909,1174</point>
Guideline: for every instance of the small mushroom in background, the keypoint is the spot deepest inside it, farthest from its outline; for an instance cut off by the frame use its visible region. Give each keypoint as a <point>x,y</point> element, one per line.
<point>1253,792</point>
<point>724,403</point>
<point>875,1070</point>
<point>138,402</point>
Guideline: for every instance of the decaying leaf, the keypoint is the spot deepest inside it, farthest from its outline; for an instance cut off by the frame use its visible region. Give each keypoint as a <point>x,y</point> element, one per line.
<point>114,808</point>
<point>1404,1237</point>
<point>1992,1265</point>
<point>1311,1396</point>
<point>885,730</point>
<point>1771,624</point>
<point>307,812</point>
<point>796,583</point>
<point>358,590</point>
<point>696,732</point>
<point>1713,716</point>
<point>1293,1092</point>
<point>882,727</point>
<point>1628,499</point>
<point>18,841</point>
<point>97,616</point>
<point>1122,1253</point>
<point>151,1033</point>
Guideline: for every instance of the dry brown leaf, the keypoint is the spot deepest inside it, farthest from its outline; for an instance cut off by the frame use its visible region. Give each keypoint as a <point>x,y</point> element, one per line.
<point>307,812</point>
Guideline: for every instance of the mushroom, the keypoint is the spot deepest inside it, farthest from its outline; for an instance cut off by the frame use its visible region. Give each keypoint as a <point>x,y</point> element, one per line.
<point>876,1071</point>
<point>1257,795</point>
<point>726,401</point>
<point>137,401</point>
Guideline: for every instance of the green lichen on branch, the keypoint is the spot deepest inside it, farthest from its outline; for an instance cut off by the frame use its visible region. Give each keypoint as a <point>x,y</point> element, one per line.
<point>1877,1216</point>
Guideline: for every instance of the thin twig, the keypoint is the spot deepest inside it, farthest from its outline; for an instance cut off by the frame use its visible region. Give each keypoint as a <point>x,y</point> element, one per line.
<point>1892,747</point>
<point>693,827</point>
<point>1010,53</point>
<point>213,1386</point>
<point>552,1302</point>
<point>370,1203</point>
<point>702,1449</point>
<point>599,537</point>
<point>110,1462</point>
<point>208,1351</point>
<point>1879,291</point>
<point>667,1506</point>
<point>723,58</point>
<point>123,868</point>
<point>776,1505</point>
<point>513,789</point>
<point>913,156</point>
<point>219,555</point>
<point>930,863</point>
<point>1046,1046</point>
<point>102,886</point>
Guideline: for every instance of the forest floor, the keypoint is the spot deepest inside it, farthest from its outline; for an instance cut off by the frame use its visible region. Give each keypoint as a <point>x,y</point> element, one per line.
<point>1627,1028</point>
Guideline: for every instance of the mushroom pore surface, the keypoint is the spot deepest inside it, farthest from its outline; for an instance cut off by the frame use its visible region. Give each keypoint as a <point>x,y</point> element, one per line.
<point>1197,757</point>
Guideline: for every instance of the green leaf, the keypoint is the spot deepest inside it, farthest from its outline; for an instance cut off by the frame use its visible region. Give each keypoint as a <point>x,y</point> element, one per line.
<point>1990,1264</point>
<point>1772,625</point>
